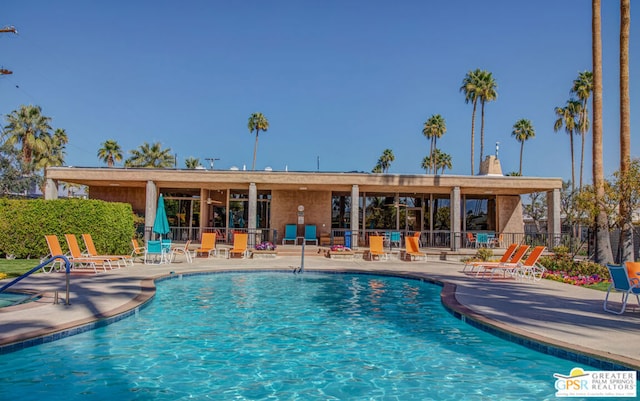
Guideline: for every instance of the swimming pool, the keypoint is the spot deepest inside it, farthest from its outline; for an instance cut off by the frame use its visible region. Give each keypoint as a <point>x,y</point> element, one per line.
<point>15,298</point>
<point>276,336</point>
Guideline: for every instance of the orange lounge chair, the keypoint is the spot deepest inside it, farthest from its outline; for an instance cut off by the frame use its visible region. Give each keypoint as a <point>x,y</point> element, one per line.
<point>412,250</point>
<point>81,259</point>
<point>376,248</point>
<point>239,245</point>
<point>138,251</point>
<point>504,259</point>
<point>76,262</point>
<point>91,250</point>
<point>488,267</point>
<point>207,245</point>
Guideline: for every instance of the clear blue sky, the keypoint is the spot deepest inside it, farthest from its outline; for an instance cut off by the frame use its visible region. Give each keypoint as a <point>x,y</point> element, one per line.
<point>338,80</point>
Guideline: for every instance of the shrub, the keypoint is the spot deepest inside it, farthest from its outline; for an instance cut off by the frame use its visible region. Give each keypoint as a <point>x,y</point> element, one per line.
<point>563,269</point>
<point>484,254</point>
<point>24,223</point>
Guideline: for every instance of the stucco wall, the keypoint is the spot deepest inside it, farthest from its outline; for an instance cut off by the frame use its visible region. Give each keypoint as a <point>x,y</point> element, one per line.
<point>317,210</point>
<point>510,214</point>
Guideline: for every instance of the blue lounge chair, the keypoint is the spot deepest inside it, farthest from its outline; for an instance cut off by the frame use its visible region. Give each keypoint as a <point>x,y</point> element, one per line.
<point>621,282</point>
<point>290,233</point>
<point>310,234</point>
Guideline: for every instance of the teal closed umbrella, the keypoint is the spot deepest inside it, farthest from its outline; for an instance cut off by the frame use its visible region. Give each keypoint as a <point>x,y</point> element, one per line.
<point>161,223</point>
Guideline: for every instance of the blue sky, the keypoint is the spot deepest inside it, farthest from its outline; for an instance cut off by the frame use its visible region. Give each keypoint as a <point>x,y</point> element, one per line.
<point>339,81</point>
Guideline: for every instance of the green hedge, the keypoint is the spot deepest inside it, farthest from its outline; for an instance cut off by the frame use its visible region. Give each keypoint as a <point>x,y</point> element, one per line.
<point>24,223</point>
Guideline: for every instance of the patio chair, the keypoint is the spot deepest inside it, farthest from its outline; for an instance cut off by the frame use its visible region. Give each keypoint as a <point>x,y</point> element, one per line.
<point>54,250</point>
<point>621,282</point>
<point>504,259</point>
<point>310,234</point>
<point>412,250</point>
<point>80,262</point>
<point>155,253</point>
<point>207,245</point>
<point>184,250</point>
<point>138,251</point>
<point>497,241</point>
<point>290,233</point>
<point>239,245</point>
<point>489,267</point>
<point>376,248</point>
<point>91,251</point>
<point>482,240</point>
<point>471,241</point>
<point>395,239</point>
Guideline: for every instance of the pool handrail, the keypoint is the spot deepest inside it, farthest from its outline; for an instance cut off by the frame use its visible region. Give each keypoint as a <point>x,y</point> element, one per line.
<point>67,265</point>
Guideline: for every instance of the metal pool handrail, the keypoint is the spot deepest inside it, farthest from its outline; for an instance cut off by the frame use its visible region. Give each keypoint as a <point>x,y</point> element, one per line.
<point>67,266</point>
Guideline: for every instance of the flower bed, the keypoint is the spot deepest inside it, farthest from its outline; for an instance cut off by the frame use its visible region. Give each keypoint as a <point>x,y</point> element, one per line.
<point>340,252</point>
<point>264,249</point>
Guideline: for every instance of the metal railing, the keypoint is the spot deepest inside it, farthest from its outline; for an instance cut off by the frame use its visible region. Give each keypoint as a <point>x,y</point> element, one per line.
<point>67,265</point>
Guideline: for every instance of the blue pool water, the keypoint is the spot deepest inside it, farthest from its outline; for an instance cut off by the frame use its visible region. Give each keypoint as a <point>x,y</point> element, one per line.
<point>276,336</point>
<point>13,298</point>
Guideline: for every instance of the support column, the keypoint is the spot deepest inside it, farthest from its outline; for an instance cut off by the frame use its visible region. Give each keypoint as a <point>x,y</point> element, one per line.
<point>252,213</point>
<point>51,189</point>
<point>553,218</point>
<point>455,220</point>
<point>355,213</point>
<point>151,203</point>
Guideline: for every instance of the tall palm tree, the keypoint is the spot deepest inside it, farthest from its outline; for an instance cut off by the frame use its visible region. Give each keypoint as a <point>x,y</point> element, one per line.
<point>487,93</point>
<point>582,88</point>
<point>568,118</point>
<point>603,252</point>
<point>152,156</point>
<point>110,152</point>
<point>626,209</point>
<point>257,122</point>
<point>28,128</point>
<point>470,89</point>
<point>523,130</point>
<point>192,163</point>
<point>435,127</point>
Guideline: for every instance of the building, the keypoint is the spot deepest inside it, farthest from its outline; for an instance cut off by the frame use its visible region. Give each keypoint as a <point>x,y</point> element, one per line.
<point>349,205</point>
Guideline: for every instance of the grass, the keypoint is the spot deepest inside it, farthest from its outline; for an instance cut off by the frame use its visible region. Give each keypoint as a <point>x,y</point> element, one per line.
<point>16,267</point>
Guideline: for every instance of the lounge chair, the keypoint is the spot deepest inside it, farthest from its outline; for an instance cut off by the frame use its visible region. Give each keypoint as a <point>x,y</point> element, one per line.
<point>207,245</point>
<point>529,269</point>
<point>310,234</point>
<point>81,259</point>
<point>376,248</point>
<point>155,253</point>
<point>290,233</point>
<point>184,250</point>
<point>412,250</point>
<point>54,250</point>
<point>239,245</point>
<point>504,259</point>
<point>138,251</point>
<point>79,262</point>
<point>488,267</point>
<point>621,282</point>
<point>91,251</point>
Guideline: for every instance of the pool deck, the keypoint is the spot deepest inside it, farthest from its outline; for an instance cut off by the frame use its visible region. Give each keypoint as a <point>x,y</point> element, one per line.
<point>545,312</point>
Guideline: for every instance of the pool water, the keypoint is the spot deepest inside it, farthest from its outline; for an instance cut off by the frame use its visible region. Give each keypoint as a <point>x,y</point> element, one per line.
<point>12,298</point>
<point>277,336</point>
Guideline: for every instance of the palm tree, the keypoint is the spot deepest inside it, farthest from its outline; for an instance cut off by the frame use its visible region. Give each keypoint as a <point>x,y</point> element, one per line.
<point>603,252</point>
<point>487,93</point>
<point>435,127</point>
<point>55,152</point>
<point>626,210</point>
<point>582,88</point>
<point>523,130</point>
<point>384,162</point>
<point>257,122</point>
<point>192,163</point>
<point>470,89</point>
<point>568,117</point>
<point>110,152</point>
<point>152,156</point>
<point>442,161</point>
<point>28,128</point>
